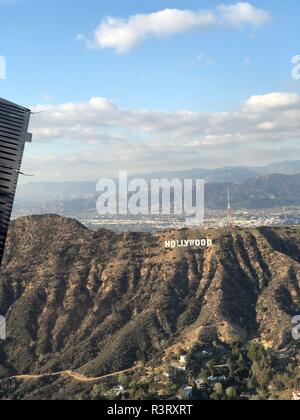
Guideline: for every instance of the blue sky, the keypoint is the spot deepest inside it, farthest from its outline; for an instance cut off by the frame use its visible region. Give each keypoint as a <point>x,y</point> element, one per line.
<point>207,70</point>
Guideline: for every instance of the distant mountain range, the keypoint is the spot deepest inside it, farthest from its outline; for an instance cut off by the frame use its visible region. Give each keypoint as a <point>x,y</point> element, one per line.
<point>267,191</point>
<point>50,191</point>
<point>234,174</point>
<point>255,188</point>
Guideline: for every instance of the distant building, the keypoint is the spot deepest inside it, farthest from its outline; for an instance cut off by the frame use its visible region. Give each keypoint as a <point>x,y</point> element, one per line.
<point>183,360</point>
<point>188,393</point>
<point>246,396</point>
<point>201,385</point>
<point>2,328</point>
<point>170,373</point>
<point>296,395</point>
<point>118,390</point>
<point>217,379</point>
<point>183,363</point>
<point>203,354</point>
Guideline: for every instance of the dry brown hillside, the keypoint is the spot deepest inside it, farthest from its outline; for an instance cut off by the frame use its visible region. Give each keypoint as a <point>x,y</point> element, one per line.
<point>97,302</point>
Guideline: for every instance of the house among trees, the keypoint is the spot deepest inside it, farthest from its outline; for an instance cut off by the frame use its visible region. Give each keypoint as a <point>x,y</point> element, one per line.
<point>201,385</point>
<point>188,393</point>
<point>296,395</point>
<point>2,328</point>
<point>183,363</point>
<point>216,379</point>
<point>183,360</point>
<point>170,373</point>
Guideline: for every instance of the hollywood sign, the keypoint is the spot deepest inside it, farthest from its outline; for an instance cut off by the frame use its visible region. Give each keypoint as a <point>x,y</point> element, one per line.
<point>189,243</point>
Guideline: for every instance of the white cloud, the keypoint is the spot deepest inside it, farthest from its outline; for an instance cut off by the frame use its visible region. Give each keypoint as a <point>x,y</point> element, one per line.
<point>100,137</point>
<point>273,100</point>
<point>244,13</point>
<point>123,35</point>
<point>101,118</point>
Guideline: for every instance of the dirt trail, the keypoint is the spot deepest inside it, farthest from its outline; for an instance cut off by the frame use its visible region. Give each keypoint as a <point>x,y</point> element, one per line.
<point>68,373</point>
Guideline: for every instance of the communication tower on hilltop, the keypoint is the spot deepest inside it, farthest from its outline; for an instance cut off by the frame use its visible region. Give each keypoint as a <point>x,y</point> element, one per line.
<point>230,223</point>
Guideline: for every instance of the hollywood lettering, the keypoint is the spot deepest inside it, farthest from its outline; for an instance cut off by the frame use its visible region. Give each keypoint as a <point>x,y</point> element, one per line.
<point>188,243</point>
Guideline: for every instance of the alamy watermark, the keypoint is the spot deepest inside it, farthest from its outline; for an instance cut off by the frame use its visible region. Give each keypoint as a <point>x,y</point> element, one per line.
<point>2,67</point>
<point>296,67</point>
<point>2,328</point>
<point>154,197</point>
<point>296,329</point>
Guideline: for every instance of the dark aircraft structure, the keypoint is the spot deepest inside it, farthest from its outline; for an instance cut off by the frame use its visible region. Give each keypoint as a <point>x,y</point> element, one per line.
<point>14,122</point>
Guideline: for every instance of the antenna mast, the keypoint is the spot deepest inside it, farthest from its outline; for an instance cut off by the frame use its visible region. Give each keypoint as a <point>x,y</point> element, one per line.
<point>229,211</point>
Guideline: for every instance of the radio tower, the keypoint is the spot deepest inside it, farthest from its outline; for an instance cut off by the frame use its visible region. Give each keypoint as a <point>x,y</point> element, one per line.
<point>229,212</point>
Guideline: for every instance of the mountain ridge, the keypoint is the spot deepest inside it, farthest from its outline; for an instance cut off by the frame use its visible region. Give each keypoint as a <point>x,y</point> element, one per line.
<point>99,301</point>
<point>261,192</point>
<point>48,191</point>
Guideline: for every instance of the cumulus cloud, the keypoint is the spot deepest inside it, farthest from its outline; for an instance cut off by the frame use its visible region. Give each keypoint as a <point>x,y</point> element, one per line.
<point>240,14</point>
<point>101,117</point>
<point>123,35</point>
<point>273,100</point>
<point>100,136</point>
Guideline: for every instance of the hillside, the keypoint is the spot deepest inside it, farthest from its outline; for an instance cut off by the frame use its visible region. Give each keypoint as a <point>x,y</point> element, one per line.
<point>97,302</point>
